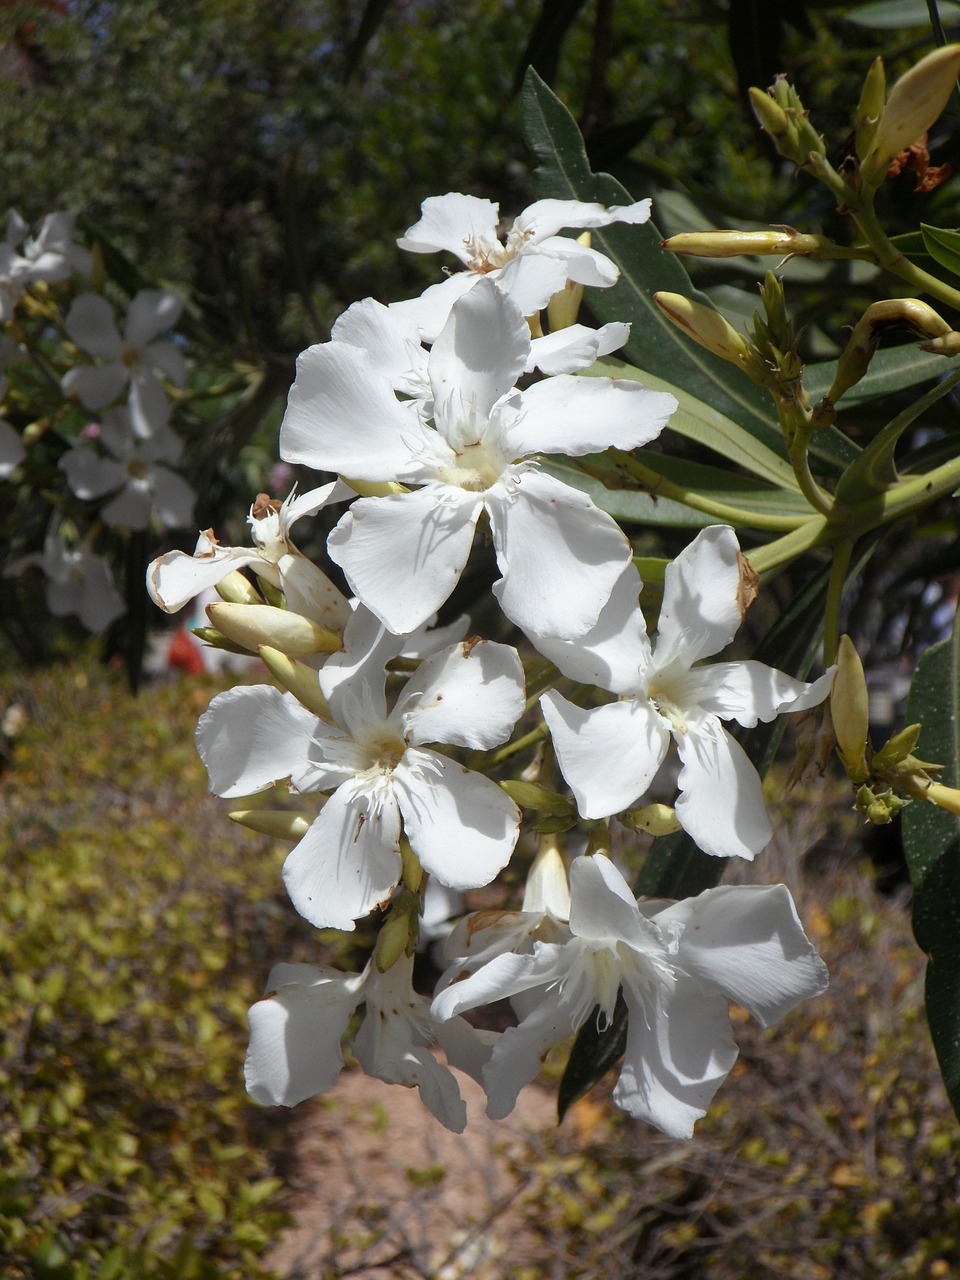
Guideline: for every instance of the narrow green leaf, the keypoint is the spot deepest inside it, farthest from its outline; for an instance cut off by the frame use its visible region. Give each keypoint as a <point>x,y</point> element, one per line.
<point>701,422</point>
<point>564,173</point>
<point>890,371</point>
<point>931,841</point>
<point>942,244</point>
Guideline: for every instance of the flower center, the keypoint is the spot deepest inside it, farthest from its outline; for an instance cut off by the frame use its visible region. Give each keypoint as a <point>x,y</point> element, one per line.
<point>486,255</point>
<point>664,699</point>
<point>476,468</point>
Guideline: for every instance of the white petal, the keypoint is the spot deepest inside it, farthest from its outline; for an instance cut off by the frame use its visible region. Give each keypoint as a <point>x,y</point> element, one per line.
<point>168,359</point>
<point>603,908</point>
<point>12,452</point>
<point>581,264</point>
<point>721,802</point>
<point>404,554</point>
<point>348,862</point>
<point>149,404</point>
<point>506,975</point>
<point>252,736</point>
<point>356,676</point>
<point>608,755</point>
<point>461,826</point>
<point>747,943</point>
<point>751,691</point>
<point>91,325</point>
<point>89,475</point>
<point>431,310</point>
<point>390,340</point>
<point>575,347</point>
<point>547,217</point>
<point>452,222</point>
<point>295,1035</point>
<point>173,499</point>
<point>615,653</point>
<point>481,350</point>
<point>574,416</point>
<point>96,385</point>
<point>342,416</point>
<point>673,1067</point>
<point>519,1053</point>
<point>308,591</point>
<point>151,312</point>
<point>531,280</point>
<point>130,509</point>
<point>470,695</point>
<point>700,614</point>
<point>560,556</point>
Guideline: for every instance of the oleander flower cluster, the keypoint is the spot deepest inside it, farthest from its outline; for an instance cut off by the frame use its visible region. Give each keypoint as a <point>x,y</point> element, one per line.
<point>119,468</point>
<point>433,424</point>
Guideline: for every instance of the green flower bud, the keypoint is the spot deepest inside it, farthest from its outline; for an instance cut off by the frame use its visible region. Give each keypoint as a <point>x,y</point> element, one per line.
<point>236,589</point>
<point>774,121</point>
<point>710,329</point>
<point>302,681</point>
<point>658,819</point>
<point>849,709</point>
<point>273,822</point>
<point>870,107</point>
<point>896,749</point>
<point>531,795</point>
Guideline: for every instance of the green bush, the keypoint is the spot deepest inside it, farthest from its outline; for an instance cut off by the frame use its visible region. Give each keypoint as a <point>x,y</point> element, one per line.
<point>131,944</point>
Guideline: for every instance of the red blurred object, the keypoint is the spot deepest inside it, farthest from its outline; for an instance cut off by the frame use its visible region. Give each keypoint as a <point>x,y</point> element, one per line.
<point>184,653</point>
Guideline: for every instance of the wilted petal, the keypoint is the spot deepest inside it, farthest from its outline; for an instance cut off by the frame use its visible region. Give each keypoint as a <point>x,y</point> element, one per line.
<point>175,578</point>
<point>609,755</point>
<point>746,942</point>
<point>461,826</point>
<point>404,554</point>
<point>471,695</point>
<point>349,860</point>
<point>721,802</point>
<point>560,556</point>
<point>574,416</point>
<point>676,1058</point>
<point>701,611</point>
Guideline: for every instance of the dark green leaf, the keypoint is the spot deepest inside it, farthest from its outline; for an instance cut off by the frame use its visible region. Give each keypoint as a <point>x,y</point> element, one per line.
<point>890,371</point>
<point>931,841</point>
<point>893,15</point>
<point>943,245</point>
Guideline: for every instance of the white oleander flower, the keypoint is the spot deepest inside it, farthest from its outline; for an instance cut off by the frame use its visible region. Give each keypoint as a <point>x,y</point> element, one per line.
<point>403,553</point>
<point>12,452</point>
<point>297,1028</point>
<point>610,754</point>
<point>139,472</point>
<point>50,255</point>
<point>77,581</point>
<point>378,769</point>
<point>132,360</point>
<point>531,264</point>
<point>678,966</point>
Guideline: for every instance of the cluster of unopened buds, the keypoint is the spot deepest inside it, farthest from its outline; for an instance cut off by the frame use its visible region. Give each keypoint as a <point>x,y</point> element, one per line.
<point>438,415</point>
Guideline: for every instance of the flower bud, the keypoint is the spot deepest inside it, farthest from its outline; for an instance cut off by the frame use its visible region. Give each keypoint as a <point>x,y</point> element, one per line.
<point>657,819</point>
<point>948,344</point>
<point>547,888</point>
<point>870,107</point>
<point>775,121</point>
<point>915,103</point>
<point>252,625</point>
<point>273,822</point>
<point>236,589</point>
<point>881,318</point>
<point>708,327</point>
<point>896,749</point>
<point>532,795</point>
<point>850,711</point>
<point>398,933</point>
<point>374,488</point>
<point>302,681</point>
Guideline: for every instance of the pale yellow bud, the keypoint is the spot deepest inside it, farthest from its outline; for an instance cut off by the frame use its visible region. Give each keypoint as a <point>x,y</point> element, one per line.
<point>896,749</point>
<point>273,822</point>
<point>532,795</point>
<point>658,819</point>
<point>916,102</point>
<point>948,344</point>
<point>850,711</point>
<point>774,121</point>
<point>564,307</point>
<point>704,325</point>
<point>374,488</point>
<point>236,589</point>
<point>302,681</point>
<point>870,107</point>
<point>253,625</point>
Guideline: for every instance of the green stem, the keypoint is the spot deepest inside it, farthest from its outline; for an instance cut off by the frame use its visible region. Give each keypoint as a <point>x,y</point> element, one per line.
<point>798,452</point>
<point>519,744</point>
<point>660,487</point>
<point>783,550</point>
<point>831,613</point>
<point>900,500</point>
